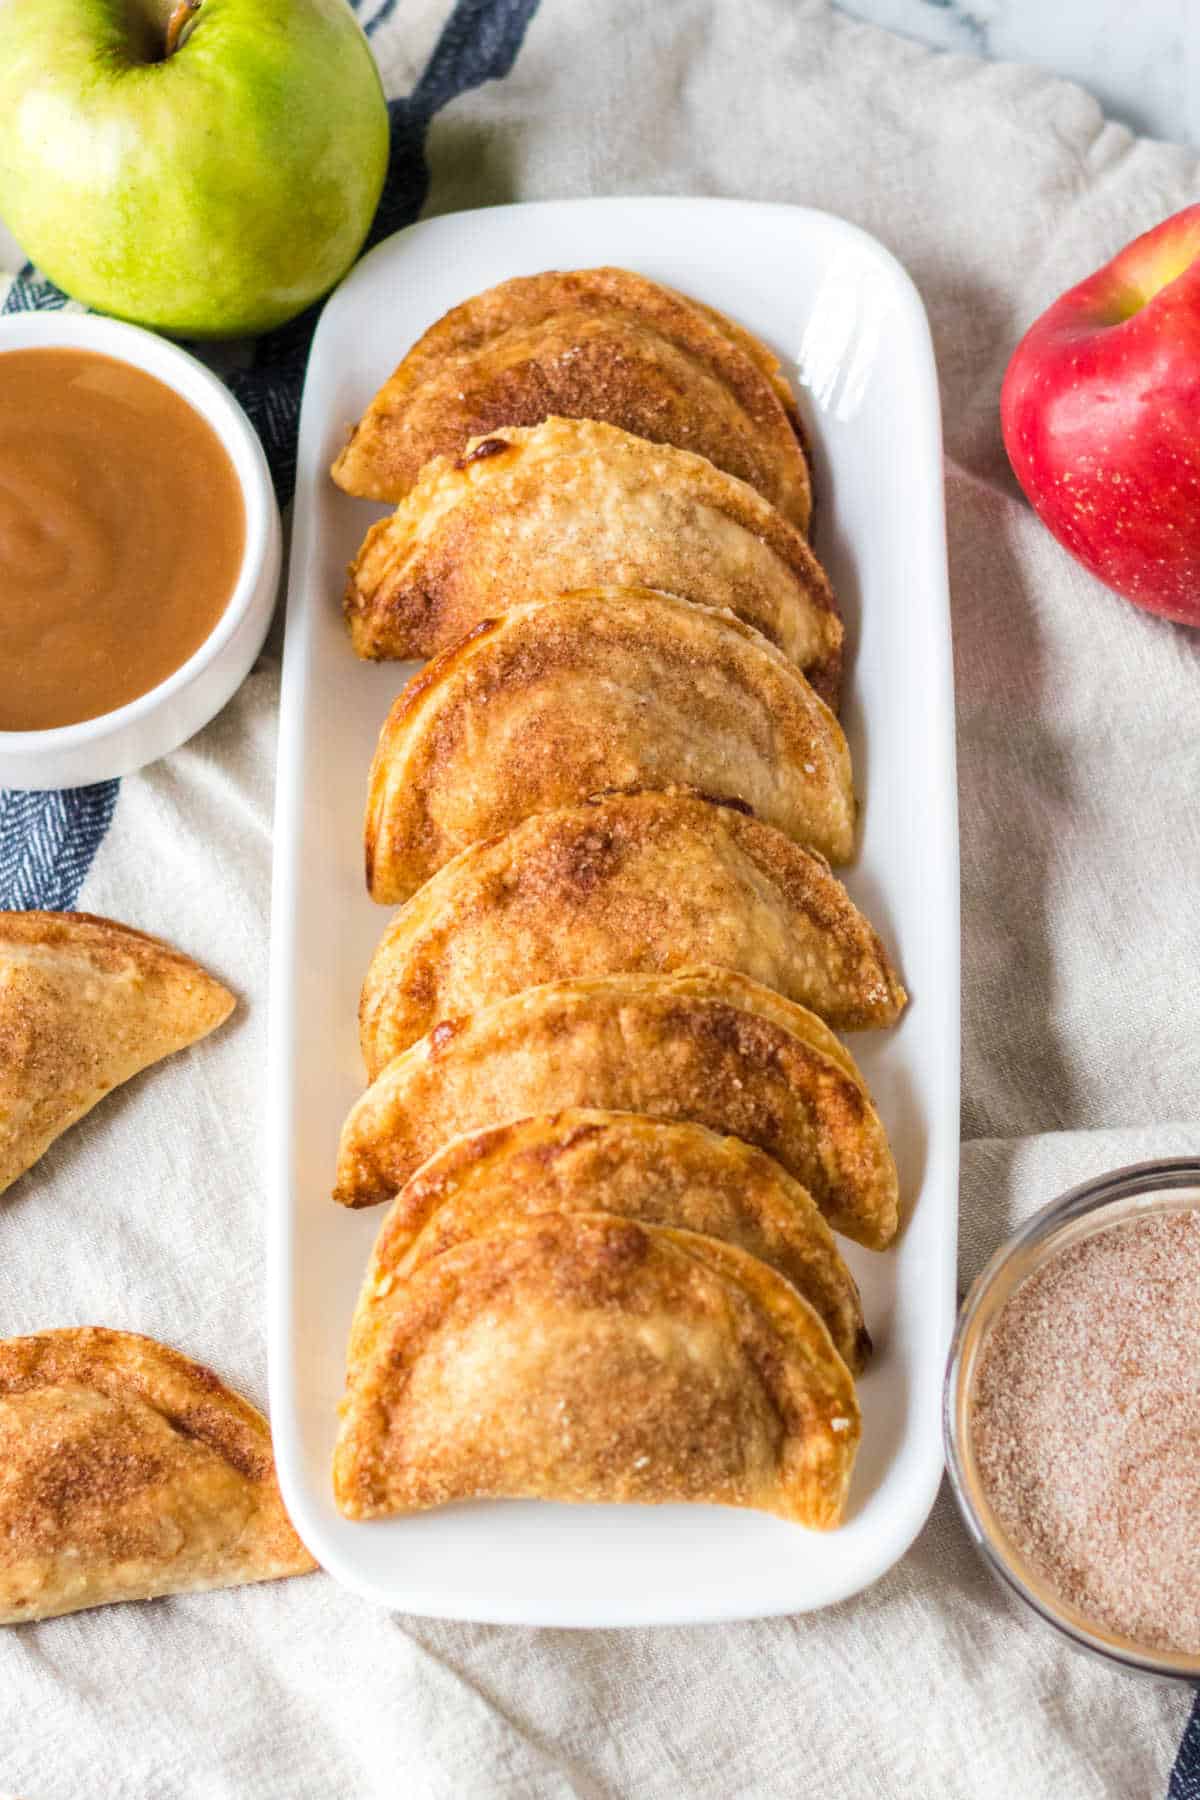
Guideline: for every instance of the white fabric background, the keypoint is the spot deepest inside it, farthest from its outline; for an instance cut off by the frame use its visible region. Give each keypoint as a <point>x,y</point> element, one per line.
<point>1079,765</point>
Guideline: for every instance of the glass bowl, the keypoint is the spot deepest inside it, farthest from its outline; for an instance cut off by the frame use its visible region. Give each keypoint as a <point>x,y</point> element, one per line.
<point>1151,1187</point>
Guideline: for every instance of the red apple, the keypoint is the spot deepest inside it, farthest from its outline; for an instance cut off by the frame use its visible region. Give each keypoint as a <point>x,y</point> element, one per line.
<point>1101,417</point>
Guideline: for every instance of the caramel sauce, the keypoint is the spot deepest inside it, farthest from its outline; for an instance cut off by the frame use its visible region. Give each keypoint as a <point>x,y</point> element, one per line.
<point>122,529</point>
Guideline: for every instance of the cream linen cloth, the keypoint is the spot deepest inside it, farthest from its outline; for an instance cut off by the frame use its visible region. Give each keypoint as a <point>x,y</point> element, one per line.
<point>1079,768</point>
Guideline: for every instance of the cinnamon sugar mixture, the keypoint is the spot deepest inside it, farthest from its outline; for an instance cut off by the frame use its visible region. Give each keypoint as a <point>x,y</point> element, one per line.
<point>1086,1425</point>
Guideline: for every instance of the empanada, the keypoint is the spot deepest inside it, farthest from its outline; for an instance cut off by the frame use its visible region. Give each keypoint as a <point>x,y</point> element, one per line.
<point>84,1004</point>
<point>591,1358</point>
<point>607,688</point>
<point>704,1044</point>
<point>531,513</point>
<point>584,344</point>
<point>657,1171</point>
<point>628,882</point>
<point>128,1471</point>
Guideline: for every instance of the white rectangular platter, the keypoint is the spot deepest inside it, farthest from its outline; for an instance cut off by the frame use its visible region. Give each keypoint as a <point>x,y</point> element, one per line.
<point>851,332</point>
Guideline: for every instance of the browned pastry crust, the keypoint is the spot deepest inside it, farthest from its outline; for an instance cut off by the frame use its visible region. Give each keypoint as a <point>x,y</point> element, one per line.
<point>656,1171</point>
<point>608,688</point>
<point>128,1471</point>
<point>84,1004</point>
<point>586,344</point>
<point>527,514</point>
<point>591,1358</point>
<point>631,882</point>
<point>703,1044</point>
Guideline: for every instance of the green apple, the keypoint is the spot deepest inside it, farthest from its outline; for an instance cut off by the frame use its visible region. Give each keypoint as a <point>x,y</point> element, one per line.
<point>206,168</point>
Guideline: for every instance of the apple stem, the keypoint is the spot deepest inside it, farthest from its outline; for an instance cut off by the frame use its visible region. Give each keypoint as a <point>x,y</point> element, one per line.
<point>180,17</point>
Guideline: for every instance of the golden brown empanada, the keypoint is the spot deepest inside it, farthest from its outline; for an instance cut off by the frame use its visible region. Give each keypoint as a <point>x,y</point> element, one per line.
<point>591,1358</point>
<point>607,688</point>
<point>531,513</point>
<point>657,1171</point>
<point>128,1471</point>
<point>628,882</point>
<point>703,1044</point>
<point>584,344</point>
<point>84,1004</point>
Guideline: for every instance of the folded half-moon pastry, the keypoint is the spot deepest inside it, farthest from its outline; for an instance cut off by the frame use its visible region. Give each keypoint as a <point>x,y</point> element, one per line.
<point>592,1358</point>
<point>584,344</point>
<point>531,513</point>
<point>84,1004</point>
<point>607,688</point>
<point>703,1044</point>
<point>128,1471</point>
<point>640,882</point>
<point>657,1171</point>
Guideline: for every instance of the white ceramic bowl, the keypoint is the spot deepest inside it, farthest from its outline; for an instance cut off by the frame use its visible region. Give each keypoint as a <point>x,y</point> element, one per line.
<point>160,720</point>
